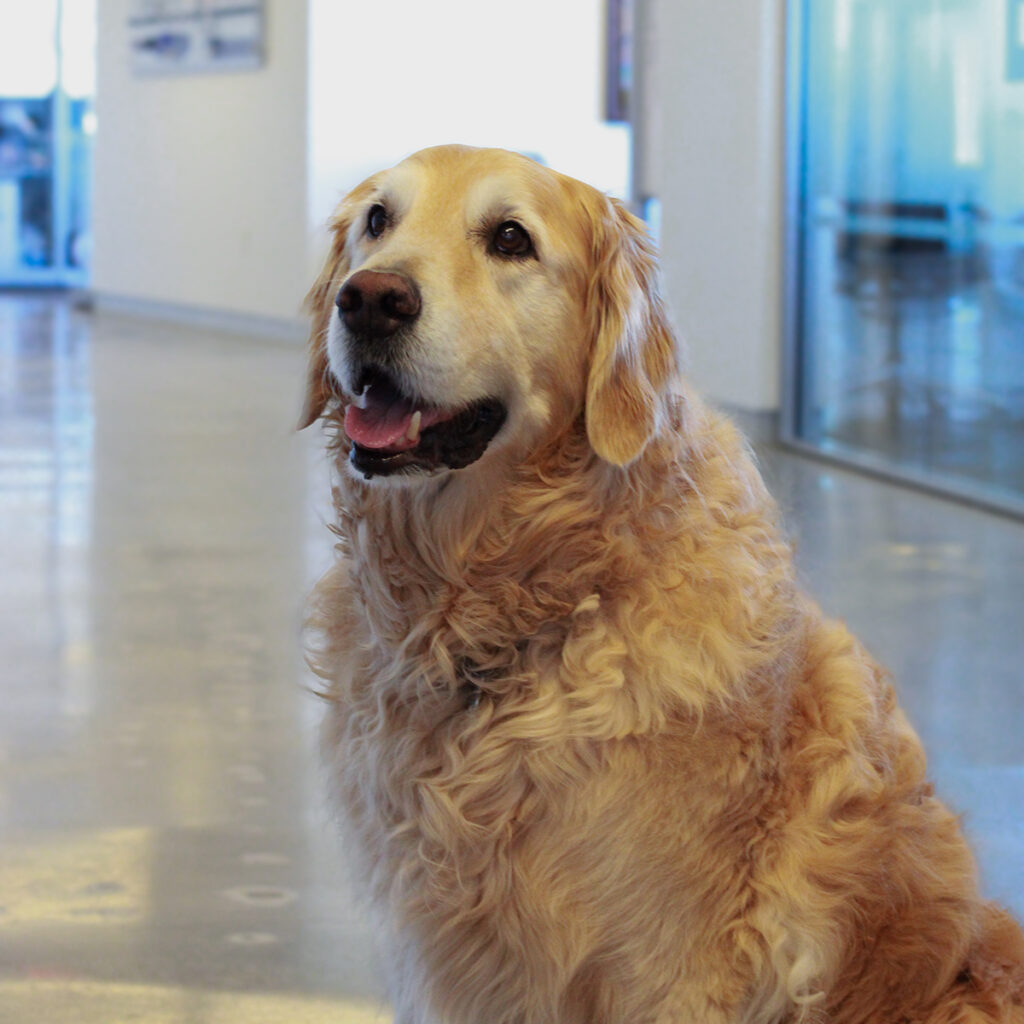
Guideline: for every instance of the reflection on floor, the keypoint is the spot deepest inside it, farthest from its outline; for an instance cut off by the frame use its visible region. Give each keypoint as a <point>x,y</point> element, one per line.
<point>165,852</point>
<point>918,358</point>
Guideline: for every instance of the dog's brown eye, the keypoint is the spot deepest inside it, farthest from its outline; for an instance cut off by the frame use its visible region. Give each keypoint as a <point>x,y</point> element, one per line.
<point>511,239</point>
<point>377,220</point>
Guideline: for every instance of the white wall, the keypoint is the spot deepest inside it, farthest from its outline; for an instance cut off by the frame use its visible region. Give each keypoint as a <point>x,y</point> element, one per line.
<point>393,76</point>
<point>200,180</point>
<point>212,191</point>
<point>714,158</point>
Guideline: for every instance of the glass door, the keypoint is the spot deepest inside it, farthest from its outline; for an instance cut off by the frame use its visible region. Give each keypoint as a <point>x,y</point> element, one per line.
<point>46,130</point>
<point>907,322</point>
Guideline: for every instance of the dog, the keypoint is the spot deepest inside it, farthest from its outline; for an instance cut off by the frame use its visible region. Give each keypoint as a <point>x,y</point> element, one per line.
<point>602,761</point>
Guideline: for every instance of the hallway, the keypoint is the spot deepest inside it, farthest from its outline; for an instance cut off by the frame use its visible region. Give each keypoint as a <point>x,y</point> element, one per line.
<point>166,854</point>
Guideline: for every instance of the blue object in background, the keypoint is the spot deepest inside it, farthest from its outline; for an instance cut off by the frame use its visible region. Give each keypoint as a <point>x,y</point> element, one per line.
<point>908,311</point>
<point>47,76</point>
<point>1015,40</point>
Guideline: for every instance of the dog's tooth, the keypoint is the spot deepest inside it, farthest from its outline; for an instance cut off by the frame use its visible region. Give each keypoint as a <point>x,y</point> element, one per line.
<point>413,433</point>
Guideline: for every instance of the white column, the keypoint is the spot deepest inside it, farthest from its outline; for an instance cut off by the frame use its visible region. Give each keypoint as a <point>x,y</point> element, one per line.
<point>711,136</point>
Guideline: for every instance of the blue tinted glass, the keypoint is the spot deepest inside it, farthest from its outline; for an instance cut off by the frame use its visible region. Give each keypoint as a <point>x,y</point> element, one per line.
<point>47,76</point>
<point>912,318</point>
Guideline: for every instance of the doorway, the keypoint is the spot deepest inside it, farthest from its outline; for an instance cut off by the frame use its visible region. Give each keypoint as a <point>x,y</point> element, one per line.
<point>47,76</point>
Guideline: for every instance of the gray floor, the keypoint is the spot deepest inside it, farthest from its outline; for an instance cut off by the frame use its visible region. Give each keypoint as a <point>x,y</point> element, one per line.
<point>165,853</point>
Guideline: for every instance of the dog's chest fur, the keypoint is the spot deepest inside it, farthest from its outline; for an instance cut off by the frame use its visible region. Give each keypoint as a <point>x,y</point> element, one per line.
<point>603,763</point>
<point>503,837</point>
<point>501,758</point>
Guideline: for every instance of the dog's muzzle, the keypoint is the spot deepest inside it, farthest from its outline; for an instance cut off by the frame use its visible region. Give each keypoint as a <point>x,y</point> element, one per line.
<point>376,304</point>
<point>393,431</point>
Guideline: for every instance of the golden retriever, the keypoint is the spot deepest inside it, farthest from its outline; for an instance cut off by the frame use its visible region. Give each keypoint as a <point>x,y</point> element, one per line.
<point>602,761</point>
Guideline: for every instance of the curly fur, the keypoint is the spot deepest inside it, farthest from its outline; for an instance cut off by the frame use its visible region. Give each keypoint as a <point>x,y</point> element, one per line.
<point>602,760</point>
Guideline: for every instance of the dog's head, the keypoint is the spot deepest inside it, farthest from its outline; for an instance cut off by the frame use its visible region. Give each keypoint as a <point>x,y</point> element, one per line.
<point>472,303</point>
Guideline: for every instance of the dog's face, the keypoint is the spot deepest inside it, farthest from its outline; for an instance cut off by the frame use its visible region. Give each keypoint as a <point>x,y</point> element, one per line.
<point>474,302</point>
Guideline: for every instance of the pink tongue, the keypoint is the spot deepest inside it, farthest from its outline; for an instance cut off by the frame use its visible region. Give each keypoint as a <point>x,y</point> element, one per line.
<point>380,424</point>
<point>385,419</point>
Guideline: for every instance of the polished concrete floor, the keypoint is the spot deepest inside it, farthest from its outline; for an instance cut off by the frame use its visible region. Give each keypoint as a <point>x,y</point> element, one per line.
<point>166,856</point>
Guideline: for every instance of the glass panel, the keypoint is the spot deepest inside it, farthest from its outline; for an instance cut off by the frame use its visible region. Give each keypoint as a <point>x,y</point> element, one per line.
<point>28,83</point>
<point>47,76</point>
<point>912,318</point>
<point>26,183</point>
<point>78,79</point>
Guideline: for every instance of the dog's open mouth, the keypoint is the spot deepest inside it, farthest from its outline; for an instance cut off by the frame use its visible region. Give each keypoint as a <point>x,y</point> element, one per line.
<point>392,432</point>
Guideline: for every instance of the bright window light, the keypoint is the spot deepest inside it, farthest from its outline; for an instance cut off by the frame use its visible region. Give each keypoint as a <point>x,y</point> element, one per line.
<point>28,47</point>
<point>28,54</point>
<point>78,47</point>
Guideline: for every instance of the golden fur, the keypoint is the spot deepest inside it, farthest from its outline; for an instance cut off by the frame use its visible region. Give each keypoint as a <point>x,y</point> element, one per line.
<point>602,760</point>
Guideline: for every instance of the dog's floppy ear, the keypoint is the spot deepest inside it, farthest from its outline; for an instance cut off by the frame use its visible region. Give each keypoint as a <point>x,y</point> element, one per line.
<point>320,306</point>
<point>633,347</point>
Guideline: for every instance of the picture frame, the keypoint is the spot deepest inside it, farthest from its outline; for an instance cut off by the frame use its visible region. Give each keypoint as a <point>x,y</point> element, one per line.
<point>195,36</point>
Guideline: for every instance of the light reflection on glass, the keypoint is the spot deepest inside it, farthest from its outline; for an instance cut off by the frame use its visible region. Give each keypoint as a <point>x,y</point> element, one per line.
<point>913,260</point>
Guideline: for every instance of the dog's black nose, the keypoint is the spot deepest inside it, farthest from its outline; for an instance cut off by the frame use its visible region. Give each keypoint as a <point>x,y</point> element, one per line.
<point>376,303</point>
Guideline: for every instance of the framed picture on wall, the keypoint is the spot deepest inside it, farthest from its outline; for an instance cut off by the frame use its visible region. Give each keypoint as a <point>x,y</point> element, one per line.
<point>193,36</point>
